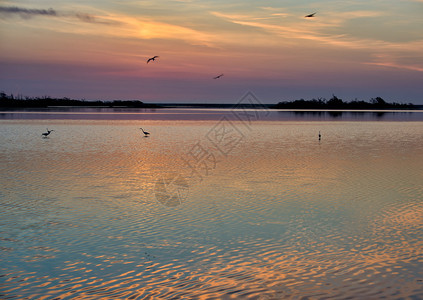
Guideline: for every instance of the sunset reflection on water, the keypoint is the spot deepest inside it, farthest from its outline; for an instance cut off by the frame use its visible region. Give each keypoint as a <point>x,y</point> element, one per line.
<point>281,215</point>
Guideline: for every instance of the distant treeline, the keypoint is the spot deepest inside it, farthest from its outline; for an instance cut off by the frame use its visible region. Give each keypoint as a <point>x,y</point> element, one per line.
<point>46,101</point>
<point>337,103</point>
<point>10,101</point>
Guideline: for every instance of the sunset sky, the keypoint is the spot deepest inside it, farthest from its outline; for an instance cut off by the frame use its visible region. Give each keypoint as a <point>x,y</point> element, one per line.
<point>98,49</point>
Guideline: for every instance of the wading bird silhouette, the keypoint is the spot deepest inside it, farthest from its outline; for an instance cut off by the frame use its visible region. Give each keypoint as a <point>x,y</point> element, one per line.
<point>218,76</point>
<point>145,132</point>
<point>152,58</point>
<point>310,15</point>
<point>45,134</point>
<point>320,136</point>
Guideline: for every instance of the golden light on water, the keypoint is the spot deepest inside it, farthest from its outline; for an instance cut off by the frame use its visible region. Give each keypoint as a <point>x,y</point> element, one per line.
<point>282,214</point>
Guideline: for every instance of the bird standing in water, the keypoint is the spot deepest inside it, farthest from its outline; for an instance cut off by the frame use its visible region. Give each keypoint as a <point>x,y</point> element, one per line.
<point>145,132</point>
<point>45,134</point>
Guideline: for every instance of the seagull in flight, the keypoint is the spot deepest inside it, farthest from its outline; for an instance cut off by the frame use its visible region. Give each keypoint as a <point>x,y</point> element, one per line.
<point>310,15</point>
<point>152,58</point>
<point>218,76</point>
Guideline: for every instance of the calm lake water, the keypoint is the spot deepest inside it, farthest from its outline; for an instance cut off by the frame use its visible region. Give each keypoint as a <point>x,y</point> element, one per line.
<point>212,205</point>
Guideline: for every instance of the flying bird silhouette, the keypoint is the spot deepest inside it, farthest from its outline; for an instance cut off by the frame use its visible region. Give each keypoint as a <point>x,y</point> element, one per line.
<point>152,58</point>
<point>145,132</point>
<point>310,15</point>
<point>218,76</point>
<point>45,134</point>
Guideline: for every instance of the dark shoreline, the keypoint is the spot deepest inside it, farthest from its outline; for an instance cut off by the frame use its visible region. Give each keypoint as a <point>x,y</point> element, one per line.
<point>209,106</point>
<point>10,102</point>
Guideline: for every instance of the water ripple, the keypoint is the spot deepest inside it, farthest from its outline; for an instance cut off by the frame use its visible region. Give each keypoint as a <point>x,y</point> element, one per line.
<point>281,217</point>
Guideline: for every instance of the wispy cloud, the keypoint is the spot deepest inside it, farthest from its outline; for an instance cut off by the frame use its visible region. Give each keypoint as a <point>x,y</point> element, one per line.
<point>27,13</point>
<point>393,61</point>
<point>395,65</point>
<point>129,26</point>
<point>148,28</point>
<point>322,31</point>
<point>89,18</point>
<point>287,30</point>
<point>275,12</point>
<point>273,25</point>
<point>328,31</point>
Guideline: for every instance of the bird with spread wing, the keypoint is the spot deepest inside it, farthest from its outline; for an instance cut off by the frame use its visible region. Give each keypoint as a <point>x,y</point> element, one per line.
<point>152,58</point>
